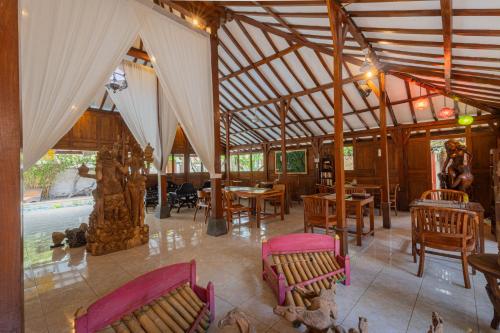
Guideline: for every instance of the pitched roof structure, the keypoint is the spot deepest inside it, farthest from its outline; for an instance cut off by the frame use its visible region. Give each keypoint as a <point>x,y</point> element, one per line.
<point>447,52</point>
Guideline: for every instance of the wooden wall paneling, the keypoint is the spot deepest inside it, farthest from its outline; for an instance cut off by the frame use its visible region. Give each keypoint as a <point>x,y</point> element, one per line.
<point>11,241</point>
<point>481,187</point>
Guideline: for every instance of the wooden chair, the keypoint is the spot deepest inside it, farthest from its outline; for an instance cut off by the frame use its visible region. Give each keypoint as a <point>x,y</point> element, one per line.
<point>351,213</point>
<point>204,203</point>
<point>393,197</point>
<point>232,208</point>
<point>275,202</point>
<point>451,195</point>
<point>317,214</point>
<point>443,229</point>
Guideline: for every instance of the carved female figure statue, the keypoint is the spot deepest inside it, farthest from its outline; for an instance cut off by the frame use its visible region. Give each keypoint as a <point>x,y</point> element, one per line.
<point>457,174</point>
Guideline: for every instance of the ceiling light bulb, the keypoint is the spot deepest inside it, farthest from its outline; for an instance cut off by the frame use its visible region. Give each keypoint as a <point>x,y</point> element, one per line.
<point>369,74</point>
<point>195,22</point>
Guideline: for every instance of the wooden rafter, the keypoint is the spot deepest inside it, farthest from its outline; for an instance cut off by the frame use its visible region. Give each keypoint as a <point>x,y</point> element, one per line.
<point>412,109</point>
<point>447,19</point>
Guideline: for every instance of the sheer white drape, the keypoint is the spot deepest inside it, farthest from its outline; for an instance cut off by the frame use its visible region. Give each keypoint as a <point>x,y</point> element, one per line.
<point>68,50</point>
<point>181,58</point>
<point>138,105</point>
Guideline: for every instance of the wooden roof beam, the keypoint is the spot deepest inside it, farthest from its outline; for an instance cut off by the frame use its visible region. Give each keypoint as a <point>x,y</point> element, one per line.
<point>447,19</point>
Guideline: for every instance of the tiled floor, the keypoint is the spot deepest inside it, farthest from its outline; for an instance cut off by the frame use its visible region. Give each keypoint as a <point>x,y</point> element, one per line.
<point>384,286</point>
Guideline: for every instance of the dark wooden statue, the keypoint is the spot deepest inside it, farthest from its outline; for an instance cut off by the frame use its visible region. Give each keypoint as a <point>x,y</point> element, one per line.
<point>117,221</point>
<point>456,173</point>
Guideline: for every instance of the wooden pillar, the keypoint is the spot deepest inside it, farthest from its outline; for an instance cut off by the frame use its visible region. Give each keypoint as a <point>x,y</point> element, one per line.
<point>227,161</point>
<point>11,246</point>
<point>163,210</point>
<point>384,156</point>
<point>265,157</point>
<point>335,17</point>
<point>217,224</point>
<point>283,110</point>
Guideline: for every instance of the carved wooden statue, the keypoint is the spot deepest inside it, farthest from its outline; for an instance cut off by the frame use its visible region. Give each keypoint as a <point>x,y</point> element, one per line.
<point>117,221</point>
<point>456,175</point>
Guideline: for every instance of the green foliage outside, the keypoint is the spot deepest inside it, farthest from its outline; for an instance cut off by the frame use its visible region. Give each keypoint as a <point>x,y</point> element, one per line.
<point>43,174</point>
<point>296,161</point>
<point>245,163</point>
<point>348,158</point>
<point>257,162</point>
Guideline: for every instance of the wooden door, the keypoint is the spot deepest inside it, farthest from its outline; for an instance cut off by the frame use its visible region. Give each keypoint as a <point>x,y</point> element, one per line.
<point>419,178</point>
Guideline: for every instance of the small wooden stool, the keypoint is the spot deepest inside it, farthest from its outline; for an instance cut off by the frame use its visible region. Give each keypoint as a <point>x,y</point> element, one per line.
<point>488,265</point>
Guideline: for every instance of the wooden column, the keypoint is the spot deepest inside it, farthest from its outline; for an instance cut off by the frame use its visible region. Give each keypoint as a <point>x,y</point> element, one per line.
<point>265,157</point>
<point>11,242</point>
<point>334,15</point>
<point>217,224</point>
<point>384,157</point>
<point>227,125</point>
<point>283,110</point>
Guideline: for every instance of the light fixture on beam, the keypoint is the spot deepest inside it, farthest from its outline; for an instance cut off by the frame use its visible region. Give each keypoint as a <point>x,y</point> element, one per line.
<point>364,88</point>
<point>465,119</point>
<point>422,102</point>
<point>445,111</point>
<point>118,81</point>
<point>367,67</point>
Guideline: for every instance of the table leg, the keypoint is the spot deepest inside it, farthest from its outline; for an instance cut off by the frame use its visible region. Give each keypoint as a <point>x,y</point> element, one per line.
<point>282,206</point>
<point>257,211</point>
<point>494,295</point>
<point>372,217</point>
<point>359,224</point>
<point>481,232</point>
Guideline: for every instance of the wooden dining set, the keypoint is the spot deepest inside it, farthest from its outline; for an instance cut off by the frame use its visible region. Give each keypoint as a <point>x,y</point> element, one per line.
<point>441,220</point>
<point>257,198</point>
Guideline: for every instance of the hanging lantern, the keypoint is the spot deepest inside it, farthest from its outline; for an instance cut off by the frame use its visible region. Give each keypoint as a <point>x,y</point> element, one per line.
<point>421,103</point>
<point>465,120</point>
<point>446,112</point>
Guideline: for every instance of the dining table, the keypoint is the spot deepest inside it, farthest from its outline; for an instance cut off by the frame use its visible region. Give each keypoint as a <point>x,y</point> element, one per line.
<point>357,203</point>
<point>256,195</point>
<point>475,207</point>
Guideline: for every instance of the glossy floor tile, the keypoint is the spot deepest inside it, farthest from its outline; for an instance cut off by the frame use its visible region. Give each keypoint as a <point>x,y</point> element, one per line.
<point>384,286</point>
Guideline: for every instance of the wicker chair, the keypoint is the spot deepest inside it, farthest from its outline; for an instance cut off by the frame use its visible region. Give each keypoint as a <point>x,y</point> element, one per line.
<point>317,214</point>
<point>232,208</point>
<point>204,203</point>
<point>451,195</point>
<point>444,229</point>
<point>393,197</point>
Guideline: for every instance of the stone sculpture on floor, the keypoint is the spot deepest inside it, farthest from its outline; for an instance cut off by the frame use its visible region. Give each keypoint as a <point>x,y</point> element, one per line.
<point>319,317</point>
<point>237,318</point>
<point>456,175</point>
<point>117,221</point>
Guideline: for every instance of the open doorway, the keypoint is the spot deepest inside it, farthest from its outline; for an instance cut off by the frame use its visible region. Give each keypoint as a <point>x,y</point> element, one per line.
<point>438,158</point>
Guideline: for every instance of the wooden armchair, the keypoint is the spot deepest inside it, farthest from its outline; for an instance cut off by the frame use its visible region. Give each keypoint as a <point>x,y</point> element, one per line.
<point>443,229</point>
<point>450,195</point>
<point>317,214</point>
<point>351,190</point>
<point>232,208</point>
<point>393,197</point>
<point>204,203</point>
<point>275,202</point>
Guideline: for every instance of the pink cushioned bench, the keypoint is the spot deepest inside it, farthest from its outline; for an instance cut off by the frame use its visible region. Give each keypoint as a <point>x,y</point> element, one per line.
<point>305,245</point>
<point>143,290</point>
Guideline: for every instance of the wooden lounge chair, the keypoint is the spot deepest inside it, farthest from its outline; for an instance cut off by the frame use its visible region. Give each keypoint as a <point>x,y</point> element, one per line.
<point>317,214</point>
<point>203,203</point>
<point>450,195</point>
<point>444,229</point>
<point>232,208</point>
<point>393,197</point>
<point>165,300</point>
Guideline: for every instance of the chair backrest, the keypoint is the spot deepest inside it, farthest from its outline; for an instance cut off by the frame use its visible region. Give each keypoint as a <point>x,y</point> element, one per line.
<point>206,184</point>
<point>279,187</point>
<point>186,189</point>
<point>394,189</point>
<point>351,190</point>
<point>228,198</point>
<point>444,220</point>
<point>325,188</point>
<point>171,186</point>
<point>451,195</point>
<point>203,195</point>
<point>315,207</point>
